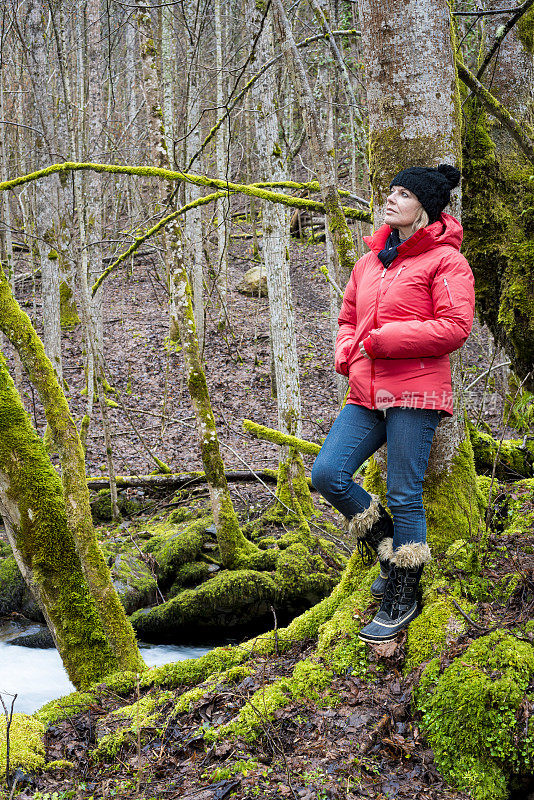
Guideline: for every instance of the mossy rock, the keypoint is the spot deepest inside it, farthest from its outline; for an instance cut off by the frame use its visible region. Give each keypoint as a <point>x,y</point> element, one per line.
<point>513,459</point>
<point>471,715</point>
<point>290,581</point>
<point>191,574</point>
<point>133,581</point>
<point>173,546</point>
<point>101,506</point>
<point>228,602</point>
<point>14,593</point>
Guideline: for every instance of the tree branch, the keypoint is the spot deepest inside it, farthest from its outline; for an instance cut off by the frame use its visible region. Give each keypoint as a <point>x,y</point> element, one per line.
<point>520,131</point>
<point>501,33</point>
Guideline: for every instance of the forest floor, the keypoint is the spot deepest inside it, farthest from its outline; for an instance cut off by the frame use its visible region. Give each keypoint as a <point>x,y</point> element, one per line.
<point>308,750</point>
<point>361,738</point>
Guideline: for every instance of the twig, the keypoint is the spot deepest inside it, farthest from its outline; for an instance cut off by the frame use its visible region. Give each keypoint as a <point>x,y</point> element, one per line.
<point>9,719</point>
<point>275,629</point>
<point>487,372</point>
<point>329,278</point>
<point>466,616</point>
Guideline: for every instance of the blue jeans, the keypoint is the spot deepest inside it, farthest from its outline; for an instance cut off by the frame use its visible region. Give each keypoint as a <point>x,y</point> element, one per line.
<point>355,435</point>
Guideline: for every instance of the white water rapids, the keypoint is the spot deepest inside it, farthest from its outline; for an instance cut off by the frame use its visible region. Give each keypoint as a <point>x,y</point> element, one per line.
<point>37,676</point>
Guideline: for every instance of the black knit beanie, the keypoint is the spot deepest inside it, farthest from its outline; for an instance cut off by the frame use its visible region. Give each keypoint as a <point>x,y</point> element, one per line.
<point>431,186</point>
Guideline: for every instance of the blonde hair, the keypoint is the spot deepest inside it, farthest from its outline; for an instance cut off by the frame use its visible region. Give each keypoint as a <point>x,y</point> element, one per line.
<point>421,221</point>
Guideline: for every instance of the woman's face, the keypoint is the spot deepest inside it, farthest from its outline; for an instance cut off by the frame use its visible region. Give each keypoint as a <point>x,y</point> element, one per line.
<point>402,208</point>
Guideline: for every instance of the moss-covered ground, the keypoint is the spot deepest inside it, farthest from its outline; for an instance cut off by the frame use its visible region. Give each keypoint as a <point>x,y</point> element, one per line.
<point>308,710</point>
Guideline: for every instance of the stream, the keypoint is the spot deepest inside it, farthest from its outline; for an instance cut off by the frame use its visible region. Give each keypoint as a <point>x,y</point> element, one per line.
<point>37,676</point>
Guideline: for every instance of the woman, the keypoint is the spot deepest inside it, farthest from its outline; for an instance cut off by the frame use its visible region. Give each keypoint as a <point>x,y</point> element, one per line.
<point>408,304</point>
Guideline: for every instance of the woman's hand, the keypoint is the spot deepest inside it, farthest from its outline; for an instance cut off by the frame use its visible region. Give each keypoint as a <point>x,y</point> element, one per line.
<point>363,351</point>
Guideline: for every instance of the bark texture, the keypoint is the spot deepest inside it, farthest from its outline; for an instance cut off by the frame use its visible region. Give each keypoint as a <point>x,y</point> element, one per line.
<point>412,94</point>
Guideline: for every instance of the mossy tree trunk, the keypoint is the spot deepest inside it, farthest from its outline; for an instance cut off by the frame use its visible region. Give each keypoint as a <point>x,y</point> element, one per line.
<point>499,199</point>
<point>414,119</point>
<point>33,508</point>
<point>34,535</point>
<point>232,544</point>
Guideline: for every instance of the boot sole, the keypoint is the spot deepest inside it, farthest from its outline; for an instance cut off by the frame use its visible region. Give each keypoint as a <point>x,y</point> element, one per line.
<point>388,636</point>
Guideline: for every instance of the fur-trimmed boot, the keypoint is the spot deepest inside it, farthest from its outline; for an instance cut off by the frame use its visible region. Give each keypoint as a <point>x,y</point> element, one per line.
<point>385,553</point>
<point>370,529</point>
<point>399,604</point>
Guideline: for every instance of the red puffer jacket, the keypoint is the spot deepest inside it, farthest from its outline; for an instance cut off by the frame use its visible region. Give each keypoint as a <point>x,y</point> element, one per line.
<point>410,316</point>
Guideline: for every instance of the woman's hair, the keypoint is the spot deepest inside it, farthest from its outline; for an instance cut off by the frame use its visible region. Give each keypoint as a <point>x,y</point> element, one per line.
<point>421,221</point>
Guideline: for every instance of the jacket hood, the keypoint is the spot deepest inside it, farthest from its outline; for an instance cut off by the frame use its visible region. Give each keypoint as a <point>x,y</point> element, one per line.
<point>445,231</point>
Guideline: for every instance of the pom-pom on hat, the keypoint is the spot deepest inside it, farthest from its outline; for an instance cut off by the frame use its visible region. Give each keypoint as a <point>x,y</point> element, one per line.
<point>431,186</point>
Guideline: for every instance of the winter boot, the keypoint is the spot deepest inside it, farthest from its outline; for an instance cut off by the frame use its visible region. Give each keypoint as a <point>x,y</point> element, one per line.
<point>385,554</point>
<point>399,604</point>
<point>370,529</point>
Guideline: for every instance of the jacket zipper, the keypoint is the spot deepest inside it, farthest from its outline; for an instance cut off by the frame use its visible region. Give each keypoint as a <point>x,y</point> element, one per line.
<point>375,324</point>
<point>386,290</point>
<point>448,291</point>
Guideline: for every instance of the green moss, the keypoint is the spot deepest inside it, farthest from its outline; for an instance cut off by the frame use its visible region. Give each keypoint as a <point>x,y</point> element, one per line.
<point>65,707</point>
<point>453,502</point>
<point>227,677</point>
<point>338,641</point>
<point>498,220</point>
<point>101,505</point>
<point>190,575</point>
<point>174,546</point>
<point>438,625</point>
<point>470,715</point>
<point>309,681</point>
<point>513,459</point>
<point>391,150</point>
<point>59,766</point>
<point>520,508</point>
<point>67,307</point>
<point>127,721</point>
<point>525,30</point>
<point>230,598</point>
<point>44,542</point>
<point>27,749</point>
<point>239,767</point>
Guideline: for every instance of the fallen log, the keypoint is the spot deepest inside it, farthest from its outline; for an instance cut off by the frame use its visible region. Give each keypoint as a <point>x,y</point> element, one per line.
<point>180,479</point>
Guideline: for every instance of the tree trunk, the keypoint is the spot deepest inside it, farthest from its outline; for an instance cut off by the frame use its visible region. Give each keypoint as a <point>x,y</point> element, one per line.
<point>276,241</point>
<point>45,213</point>
<point>337,223</point>
<point>193,237</point>
<point>414,119</point>
<point>223,166</point>
<point>499,201</point>
<point>50,524</point>
<point>232,544</point>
